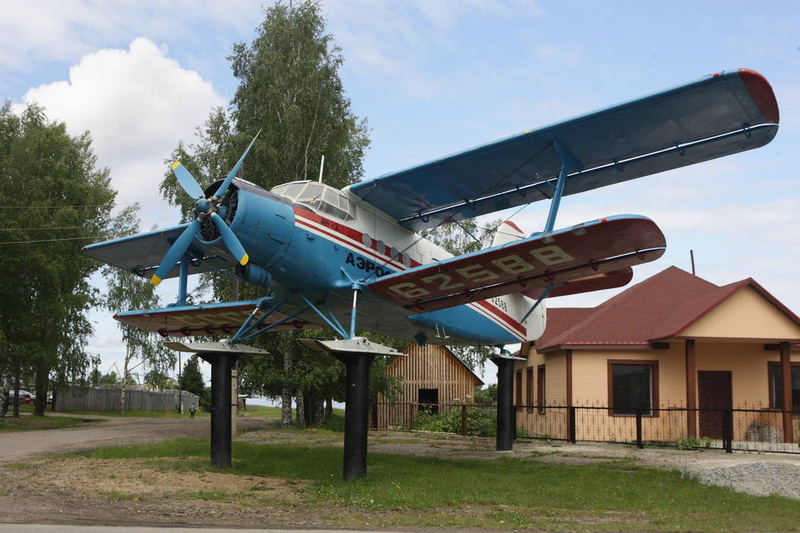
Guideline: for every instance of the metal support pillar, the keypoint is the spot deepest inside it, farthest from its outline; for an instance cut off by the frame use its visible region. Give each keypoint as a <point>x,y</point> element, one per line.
<point>506,419</point>
<point>357,354</point>
<point>221,419</point>
<point>222,356</point>
<point>356,412</point>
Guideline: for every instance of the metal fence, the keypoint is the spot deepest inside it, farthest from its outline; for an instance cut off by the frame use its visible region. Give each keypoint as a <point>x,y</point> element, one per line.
<point>77,399</point>
<point>746,429</point>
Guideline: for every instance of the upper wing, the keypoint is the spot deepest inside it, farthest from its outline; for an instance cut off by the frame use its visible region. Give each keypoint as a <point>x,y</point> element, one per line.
<point>142,253</point>
<point>578,255</point>
<point>206,319</point>
<point>715,116</point>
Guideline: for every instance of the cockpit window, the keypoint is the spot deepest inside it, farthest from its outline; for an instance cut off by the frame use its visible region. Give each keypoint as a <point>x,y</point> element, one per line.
<point>319,196</point>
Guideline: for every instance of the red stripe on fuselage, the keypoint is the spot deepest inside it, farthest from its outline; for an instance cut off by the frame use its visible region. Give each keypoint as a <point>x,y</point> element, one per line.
<point>352,238</point>
<point>345,236</point>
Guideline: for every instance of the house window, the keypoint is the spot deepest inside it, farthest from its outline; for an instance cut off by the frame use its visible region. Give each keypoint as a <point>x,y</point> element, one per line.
<point>633,385</point>
<point>541,398</point>
<point>776,386</point>
<point>428,400</point>
<point>529,388</point>
<point>518,388</point>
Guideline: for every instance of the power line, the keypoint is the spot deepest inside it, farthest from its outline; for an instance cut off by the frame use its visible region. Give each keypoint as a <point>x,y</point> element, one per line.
<point>55,206</point>
<point>42,229</point>
<point>90,238</point>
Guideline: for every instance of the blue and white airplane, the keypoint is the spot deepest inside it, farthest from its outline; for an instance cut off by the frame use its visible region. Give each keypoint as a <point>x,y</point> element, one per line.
<point>352,259</point>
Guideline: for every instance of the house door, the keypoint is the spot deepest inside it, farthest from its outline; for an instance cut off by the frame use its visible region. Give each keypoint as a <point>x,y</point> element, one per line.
<point>715,393</point>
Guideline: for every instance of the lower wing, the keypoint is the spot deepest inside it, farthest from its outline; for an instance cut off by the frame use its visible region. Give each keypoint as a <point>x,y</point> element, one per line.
<point>592,255</point>
<point>208,319</point>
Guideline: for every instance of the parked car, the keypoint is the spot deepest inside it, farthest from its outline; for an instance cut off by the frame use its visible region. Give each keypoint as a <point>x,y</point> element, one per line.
<point>24,396</point>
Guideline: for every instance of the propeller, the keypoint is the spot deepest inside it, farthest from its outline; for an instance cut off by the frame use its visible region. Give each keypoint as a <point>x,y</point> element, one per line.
<point>204,209</point>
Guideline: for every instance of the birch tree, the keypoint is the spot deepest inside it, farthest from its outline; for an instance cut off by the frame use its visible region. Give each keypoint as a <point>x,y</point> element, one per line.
<point>289,90</point>
<point>127,291</point>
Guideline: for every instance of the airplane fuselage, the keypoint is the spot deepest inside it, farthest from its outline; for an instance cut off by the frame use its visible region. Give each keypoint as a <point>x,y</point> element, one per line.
<point>309,238</point>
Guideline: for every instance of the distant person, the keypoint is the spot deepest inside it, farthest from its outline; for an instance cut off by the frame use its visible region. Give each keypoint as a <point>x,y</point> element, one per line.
<point>192,411</point>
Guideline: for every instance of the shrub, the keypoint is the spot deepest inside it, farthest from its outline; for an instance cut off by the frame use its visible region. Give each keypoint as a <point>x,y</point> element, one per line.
<point>479,421</point>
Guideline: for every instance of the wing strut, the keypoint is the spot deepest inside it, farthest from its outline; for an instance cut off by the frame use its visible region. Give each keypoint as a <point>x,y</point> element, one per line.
<point>568,162</point>
<point>539,301</point>
<point>183,280</point>
<point>245,331</point>
<point>354,310</point>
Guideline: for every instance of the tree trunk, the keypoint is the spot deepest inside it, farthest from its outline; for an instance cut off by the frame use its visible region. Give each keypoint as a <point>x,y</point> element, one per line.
<point>4,396</point>
<point>286,395</point>
<point>42,384</point>
<point>286,408</point>
<point>16,396</point>
<point>122,395</point>
<point>319,413</point>
<point>301,410</point>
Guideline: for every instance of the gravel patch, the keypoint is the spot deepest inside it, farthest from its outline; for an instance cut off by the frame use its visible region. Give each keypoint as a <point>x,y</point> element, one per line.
<point>756,478</point>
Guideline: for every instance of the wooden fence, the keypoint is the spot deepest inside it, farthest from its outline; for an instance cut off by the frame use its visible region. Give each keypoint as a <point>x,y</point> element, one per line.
<point>77,399</point>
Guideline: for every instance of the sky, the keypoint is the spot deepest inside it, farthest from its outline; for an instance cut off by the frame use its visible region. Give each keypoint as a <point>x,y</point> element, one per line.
<point>433,77</point>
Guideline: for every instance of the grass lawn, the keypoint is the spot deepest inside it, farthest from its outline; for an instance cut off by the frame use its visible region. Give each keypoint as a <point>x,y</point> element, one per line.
<point>424,492</point>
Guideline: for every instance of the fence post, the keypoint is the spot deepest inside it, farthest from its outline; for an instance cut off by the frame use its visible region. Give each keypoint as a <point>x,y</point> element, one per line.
<point>463,420</point>
<point>639,443</point>
<point>573,424</point>
<point>727,430</point>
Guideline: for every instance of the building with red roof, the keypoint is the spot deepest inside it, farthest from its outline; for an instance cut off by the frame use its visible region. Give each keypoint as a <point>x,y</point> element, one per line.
<point>673,341</point>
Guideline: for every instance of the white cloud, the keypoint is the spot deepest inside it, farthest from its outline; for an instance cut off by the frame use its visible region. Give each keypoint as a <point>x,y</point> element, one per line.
<point>137,105</point>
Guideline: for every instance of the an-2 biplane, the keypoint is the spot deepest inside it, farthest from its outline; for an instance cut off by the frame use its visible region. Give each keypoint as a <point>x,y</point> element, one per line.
<point>352,259</point>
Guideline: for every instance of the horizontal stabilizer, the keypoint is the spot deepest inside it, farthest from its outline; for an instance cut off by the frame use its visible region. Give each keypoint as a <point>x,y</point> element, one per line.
<point>572,255</point>
<point>715,116</point>
<point>142,253</point>
<point>206,319</point>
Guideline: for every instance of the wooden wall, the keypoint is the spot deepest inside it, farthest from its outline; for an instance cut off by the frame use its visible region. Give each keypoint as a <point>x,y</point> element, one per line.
<point>434,367</point>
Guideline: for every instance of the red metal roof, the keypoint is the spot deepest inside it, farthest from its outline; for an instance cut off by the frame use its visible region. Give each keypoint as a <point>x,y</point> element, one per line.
<point>656,309</point>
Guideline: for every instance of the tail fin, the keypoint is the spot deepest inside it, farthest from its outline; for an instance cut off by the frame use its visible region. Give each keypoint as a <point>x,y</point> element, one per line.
<point>507,232</point>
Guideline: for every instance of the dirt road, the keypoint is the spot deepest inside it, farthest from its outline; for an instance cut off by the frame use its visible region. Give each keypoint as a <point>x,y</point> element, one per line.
<point>106,431</point>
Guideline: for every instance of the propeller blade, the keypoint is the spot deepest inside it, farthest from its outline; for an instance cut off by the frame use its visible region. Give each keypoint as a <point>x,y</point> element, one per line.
<point>230,240</point>
<point>187,181</point>
<point>232,174</point>
<point>175,252</point>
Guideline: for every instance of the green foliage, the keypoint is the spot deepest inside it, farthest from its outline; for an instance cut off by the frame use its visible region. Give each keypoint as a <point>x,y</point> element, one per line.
<point>192,381</point>
<point>157,380</point>
<point>55,200</point>
<point>486,396</point>
<point>191,377</point>
<point>107,379</point>
<point>462,237</point>
<point>128,291</point>
<point>480,421</point>
<point>692,443</point>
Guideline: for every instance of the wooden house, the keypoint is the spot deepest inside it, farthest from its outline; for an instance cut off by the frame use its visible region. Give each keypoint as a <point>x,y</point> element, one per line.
<point>675,348</point>
<point>432,377</point>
